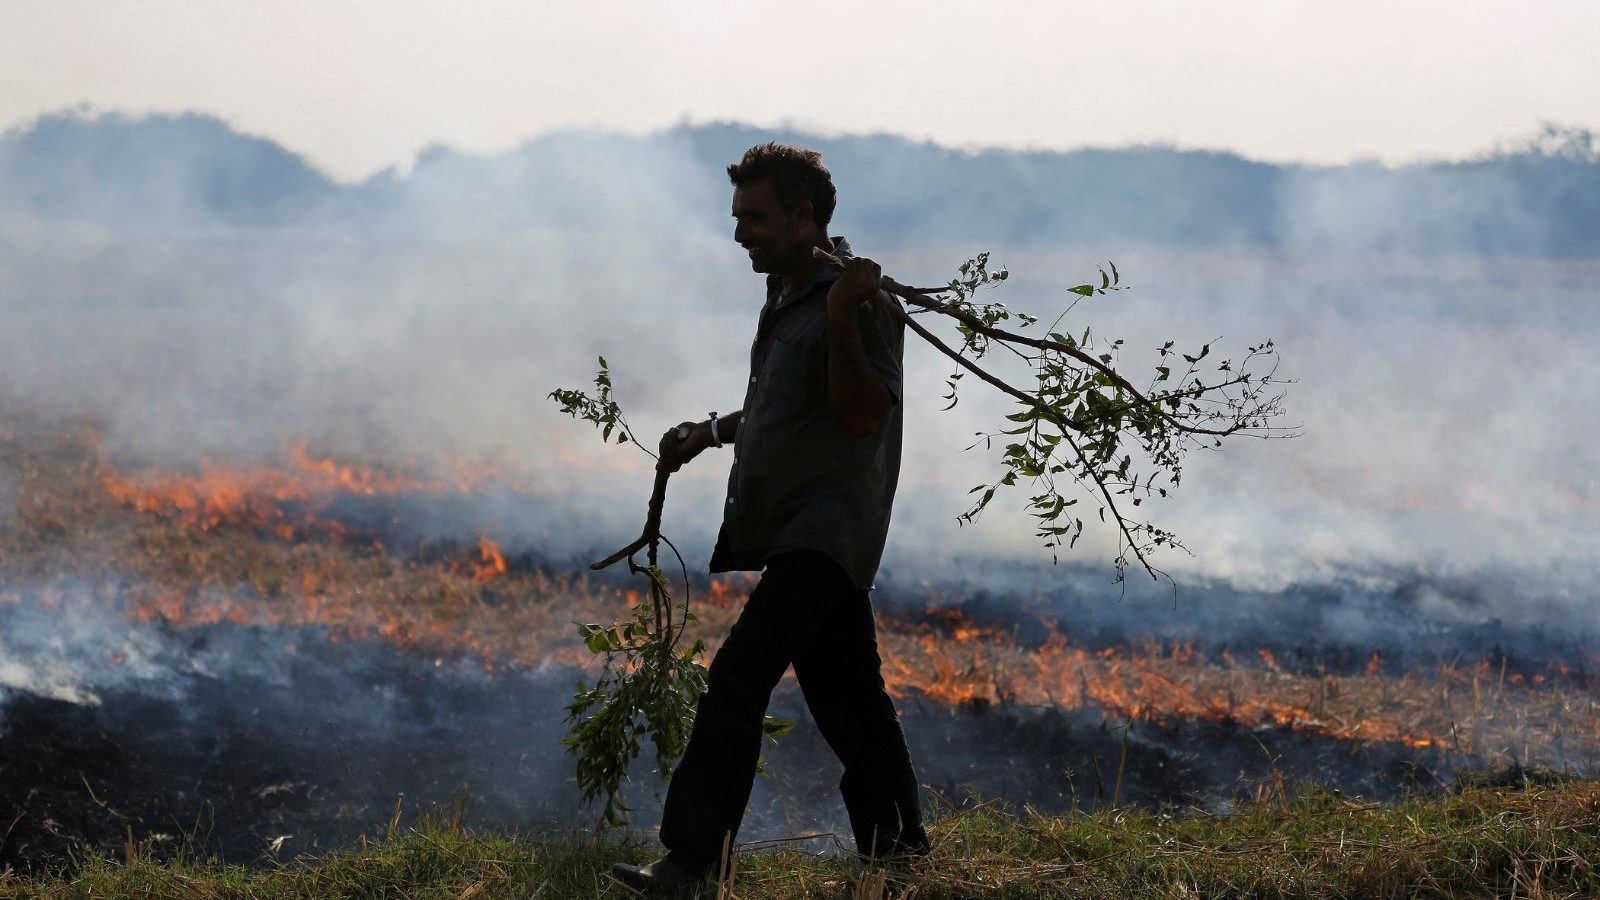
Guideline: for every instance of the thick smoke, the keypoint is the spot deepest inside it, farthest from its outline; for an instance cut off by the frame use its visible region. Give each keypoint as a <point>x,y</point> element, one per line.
<point>236,301</point>
<point>71,641</point>
<point>9,497</point>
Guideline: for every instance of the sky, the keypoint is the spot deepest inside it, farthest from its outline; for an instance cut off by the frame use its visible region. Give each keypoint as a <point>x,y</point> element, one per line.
<point>360,85</point>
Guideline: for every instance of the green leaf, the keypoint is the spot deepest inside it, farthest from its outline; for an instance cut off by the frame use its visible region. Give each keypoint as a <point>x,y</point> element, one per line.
<point>1086,290</point>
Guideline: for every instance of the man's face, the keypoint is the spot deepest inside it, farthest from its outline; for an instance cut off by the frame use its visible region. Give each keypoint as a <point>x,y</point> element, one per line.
<point>774,239</point>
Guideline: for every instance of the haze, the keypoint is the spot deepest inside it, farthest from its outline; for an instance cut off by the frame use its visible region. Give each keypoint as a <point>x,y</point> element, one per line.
<point>359,86</point>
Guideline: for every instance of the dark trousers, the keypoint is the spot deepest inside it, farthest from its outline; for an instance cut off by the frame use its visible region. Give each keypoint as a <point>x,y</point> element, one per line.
<point>804,612</point>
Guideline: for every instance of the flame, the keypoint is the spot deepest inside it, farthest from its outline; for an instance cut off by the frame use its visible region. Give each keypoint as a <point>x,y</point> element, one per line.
<point>491,562</point>
<point>955,661</point>
<point>263,546</point>
<point>728,591</point>
<point>456,626</point>
<point>288,502</point>
<point>354,589</point>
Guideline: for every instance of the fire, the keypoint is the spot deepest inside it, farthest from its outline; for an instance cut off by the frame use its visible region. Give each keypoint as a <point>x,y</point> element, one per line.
<point>728,591</point>
<point>952,660</point>
<point>288,502</point>
<point>491,562</point>
<point>454,625</point>
<point>265,546</point>
<point>293,562</point>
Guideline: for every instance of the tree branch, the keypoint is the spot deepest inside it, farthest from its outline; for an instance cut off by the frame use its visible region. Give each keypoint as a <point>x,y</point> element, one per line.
<point>1044,410</point>
<point>918,297</point>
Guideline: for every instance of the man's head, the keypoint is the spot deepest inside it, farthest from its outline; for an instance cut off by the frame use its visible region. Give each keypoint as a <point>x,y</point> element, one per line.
<point>783,198</point>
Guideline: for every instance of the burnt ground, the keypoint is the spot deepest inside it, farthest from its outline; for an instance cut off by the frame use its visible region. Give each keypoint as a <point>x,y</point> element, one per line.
<point>325,746</point>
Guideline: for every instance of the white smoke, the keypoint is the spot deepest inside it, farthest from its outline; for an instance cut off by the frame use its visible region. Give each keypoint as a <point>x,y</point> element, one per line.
<point>1446,410</point>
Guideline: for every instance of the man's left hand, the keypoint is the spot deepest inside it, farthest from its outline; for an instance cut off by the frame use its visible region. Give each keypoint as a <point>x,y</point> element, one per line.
<point>860,282</point>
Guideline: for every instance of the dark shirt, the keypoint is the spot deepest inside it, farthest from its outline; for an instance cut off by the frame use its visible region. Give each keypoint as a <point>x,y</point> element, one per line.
<point>798,482</point>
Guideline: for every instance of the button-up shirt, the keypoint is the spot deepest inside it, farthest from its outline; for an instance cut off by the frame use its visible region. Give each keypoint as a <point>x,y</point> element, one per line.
<point>798,482</point>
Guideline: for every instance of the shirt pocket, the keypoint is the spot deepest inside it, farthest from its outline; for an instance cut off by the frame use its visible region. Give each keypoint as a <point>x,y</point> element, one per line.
<point>788,373</point>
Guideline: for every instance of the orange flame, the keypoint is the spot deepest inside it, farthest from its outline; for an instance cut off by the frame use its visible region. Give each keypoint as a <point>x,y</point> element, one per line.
<point>491,562</point>
<point>288,502</point>
<point>956,661</point>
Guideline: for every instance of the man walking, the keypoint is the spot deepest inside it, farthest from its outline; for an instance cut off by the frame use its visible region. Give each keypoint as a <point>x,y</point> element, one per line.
<point>816,457</point>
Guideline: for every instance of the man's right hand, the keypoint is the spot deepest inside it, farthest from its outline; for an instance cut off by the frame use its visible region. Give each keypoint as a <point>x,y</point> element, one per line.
<point>675,450</point>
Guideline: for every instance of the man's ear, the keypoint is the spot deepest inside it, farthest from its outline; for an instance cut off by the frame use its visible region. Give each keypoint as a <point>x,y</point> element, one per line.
<point>804,214</point>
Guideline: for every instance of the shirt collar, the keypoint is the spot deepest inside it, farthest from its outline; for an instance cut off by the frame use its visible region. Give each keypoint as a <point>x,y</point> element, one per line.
<point>827,273</point>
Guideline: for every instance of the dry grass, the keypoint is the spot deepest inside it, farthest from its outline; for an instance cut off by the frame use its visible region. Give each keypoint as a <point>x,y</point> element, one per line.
<point>70,533</point>
<point>1539,842</point>
<point>69,527</point>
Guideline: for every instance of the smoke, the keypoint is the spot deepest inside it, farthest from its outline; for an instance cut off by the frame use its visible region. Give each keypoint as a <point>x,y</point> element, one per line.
<point>9,497</point>
<point>66,642</point>
<point>73,641</point>
<point>1446,414</point>
<point>270,734</point>
<point>1445,419</point>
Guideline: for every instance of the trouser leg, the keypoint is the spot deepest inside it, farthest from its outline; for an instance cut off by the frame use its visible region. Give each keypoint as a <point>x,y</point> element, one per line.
<point>840,674</point>
<point>707,794</point>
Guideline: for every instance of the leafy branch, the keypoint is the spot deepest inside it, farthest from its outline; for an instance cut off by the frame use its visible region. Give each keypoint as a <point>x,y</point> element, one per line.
<point>601,410</point>
<point>648,684</point>
<point>1082,423</point>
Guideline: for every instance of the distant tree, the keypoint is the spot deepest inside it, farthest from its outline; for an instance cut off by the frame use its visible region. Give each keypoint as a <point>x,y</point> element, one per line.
<point>1556,141</point>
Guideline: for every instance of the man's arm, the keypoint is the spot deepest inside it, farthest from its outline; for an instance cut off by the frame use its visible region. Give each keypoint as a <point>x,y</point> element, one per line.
<point>855,388</point>
<point>675,451</point>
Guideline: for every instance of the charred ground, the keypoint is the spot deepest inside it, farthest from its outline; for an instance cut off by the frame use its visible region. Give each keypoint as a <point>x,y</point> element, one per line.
<point>282,662</point>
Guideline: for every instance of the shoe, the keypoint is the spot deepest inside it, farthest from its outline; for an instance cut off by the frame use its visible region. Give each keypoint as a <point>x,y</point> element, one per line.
<point>909,847</point>
<point>912,845</point>
<point>665,874</point>
<point>902,857</point>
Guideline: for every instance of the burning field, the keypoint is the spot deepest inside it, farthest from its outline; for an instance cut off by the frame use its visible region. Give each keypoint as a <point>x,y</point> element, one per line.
<point>255,660</point>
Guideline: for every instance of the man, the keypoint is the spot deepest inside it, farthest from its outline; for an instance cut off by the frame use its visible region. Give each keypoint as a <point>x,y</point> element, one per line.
<point>816,456</point>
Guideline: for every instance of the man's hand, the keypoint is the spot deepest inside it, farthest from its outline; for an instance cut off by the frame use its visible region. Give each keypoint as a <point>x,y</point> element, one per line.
<point>683,443</point>
<point>860,282</point>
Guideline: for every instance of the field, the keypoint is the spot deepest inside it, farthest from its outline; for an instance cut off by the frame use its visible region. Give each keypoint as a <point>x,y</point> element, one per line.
<point>265,681</point>
<point>1535,841</point>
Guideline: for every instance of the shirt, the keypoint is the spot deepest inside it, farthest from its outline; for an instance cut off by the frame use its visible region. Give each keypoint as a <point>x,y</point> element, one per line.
<point>798,482</point>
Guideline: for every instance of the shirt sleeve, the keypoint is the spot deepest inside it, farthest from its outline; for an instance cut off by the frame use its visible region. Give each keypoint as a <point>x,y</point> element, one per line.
<point>883,337</point>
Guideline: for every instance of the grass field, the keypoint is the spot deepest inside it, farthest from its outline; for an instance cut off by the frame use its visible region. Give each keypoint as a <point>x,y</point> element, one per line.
<point>1530,840</point>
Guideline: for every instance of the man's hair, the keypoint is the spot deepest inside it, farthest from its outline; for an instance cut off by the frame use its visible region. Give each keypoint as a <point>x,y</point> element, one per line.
<point>797,174</point>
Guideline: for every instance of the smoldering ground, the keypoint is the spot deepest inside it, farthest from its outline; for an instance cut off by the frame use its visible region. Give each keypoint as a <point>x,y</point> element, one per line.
<point>258,743</point>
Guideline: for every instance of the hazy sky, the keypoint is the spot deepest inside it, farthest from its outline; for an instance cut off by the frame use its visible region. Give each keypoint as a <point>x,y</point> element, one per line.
<point>363,84</point>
